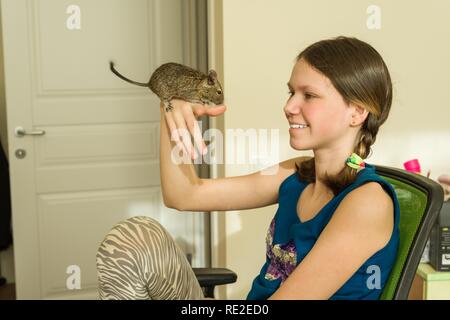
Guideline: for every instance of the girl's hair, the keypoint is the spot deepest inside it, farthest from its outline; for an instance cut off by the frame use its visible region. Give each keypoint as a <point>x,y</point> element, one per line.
<point>360,75</point>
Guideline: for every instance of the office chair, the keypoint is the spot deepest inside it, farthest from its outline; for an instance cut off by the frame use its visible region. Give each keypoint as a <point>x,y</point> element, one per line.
<point>420,201</point>
<point>208,278</point>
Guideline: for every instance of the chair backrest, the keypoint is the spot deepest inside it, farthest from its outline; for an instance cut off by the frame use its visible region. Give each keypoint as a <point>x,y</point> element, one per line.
<point>420,201</point>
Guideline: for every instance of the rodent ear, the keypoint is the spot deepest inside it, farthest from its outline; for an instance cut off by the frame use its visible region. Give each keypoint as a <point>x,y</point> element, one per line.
<point>212,74</point>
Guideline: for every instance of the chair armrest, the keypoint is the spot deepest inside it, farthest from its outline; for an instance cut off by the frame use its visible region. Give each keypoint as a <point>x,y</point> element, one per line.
<point>208,277</point>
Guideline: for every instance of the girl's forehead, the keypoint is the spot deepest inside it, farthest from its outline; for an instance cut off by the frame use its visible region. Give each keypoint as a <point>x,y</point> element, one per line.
<point>304,75</point>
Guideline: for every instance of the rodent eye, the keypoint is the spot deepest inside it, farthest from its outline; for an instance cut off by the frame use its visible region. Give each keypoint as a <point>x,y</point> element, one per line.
<point>219,91</point>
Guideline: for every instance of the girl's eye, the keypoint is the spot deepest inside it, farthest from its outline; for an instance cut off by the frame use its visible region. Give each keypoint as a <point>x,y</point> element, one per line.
<point>307,95</point>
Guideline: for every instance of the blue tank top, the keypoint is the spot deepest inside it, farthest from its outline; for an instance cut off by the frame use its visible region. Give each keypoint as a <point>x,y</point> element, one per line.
<point>289,240</point>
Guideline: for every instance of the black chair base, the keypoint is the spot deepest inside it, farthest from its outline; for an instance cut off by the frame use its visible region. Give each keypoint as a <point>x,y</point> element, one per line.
<point>208,278</point>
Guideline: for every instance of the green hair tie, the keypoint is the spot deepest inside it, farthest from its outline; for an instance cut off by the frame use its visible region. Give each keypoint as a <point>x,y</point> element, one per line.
<point>355,162</point>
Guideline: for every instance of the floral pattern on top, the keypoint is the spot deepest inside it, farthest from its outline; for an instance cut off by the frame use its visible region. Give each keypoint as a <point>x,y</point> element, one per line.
<point>283,257</point>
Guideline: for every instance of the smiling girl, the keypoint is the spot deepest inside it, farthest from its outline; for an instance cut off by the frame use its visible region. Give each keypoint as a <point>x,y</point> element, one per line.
<point>335,232</point>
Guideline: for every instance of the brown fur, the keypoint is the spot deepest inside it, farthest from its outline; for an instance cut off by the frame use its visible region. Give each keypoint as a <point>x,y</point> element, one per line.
<point>176,81</point>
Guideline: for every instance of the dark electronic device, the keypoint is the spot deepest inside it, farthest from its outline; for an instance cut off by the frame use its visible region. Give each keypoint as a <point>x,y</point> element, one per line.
<point>440,240</point>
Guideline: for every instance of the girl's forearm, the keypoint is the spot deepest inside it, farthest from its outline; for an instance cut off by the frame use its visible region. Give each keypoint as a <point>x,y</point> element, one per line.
<point>178,181</point>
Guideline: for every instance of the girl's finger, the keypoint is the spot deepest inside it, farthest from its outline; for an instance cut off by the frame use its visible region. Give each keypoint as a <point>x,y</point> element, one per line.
<point>195,130</point>
<point>174,135</point>
<point>198,110</point>
<point>172,127</point>
<point>216,110</point>
<point>184,133</point>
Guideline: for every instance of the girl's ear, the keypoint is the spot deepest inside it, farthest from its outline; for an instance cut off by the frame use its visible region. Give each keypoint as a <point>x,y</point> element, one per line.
<point>359,114</point>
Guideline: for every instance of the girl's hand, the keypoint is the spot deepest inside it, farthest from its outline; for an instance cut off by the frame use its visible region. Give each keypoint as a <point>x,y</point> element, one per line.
<point>182,120</point>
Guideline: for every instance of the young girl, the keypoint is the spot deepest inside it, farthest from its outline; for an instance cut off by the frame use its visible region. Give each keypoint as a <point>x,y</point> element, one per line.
<point>335,233</point>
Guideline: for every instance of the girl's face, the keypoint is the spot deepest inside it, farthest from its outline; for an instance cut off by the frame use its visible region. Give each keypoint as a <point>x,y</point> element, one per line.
<point>314,101</point>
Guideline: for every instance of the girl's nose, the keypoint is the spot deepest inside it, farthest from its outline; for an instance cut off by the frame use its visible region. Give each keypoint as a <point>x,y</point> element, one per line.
<point>291,108</point>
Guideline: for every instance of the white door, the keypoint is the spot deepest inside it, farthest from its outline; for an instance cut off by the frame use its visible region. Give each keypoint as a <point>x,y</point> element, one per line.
<point>98,161</point>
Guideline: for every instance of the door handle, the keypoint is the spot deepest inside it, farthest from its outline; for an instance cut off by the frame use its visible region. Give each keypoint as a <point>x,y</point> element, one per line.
<point>20,132</point>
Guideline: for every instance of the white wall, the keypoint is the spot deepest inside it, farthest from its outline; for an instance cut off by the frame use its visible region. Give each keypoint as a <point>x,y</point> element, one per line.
<point>261,39</point>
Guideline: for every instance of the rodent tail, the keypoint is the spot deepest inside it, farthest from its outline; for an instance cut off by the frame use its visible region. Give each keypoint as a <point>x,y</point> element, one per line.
<point>111,65</point>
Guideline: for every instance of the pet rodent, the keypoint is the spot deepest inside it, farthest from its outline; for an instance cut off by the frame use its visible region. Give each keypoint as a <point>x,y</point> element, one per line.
<point>176,81</point>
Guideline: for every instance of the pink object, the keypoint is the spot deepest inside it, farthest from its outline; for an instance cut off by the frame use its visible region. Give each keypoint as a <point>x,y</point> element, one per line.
<point>412,166</point>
